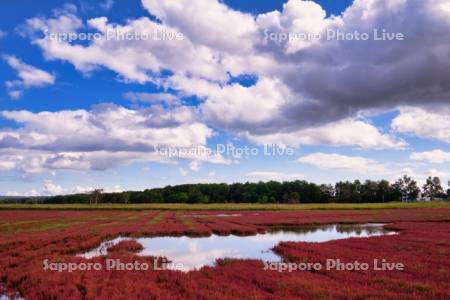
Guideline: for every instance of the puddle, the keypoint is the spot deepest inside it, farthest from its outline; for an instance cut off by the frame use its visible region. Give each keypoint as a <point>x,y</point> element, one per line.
<point>6,297</point>
<point>218,215</point>
<point>11,296</point>
<point>103,248</point>
<point>195,252</point>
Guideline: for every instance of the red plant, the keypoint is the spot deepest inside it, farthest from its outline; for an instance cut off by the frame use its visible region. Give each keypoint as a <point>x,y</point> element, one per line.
<point>126,246</point>
<point>27,238</point>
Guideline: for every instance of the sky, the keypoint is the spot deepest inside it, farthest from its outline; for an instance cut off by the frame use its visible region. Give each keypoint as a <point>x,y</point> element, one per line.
<point>129,95</point>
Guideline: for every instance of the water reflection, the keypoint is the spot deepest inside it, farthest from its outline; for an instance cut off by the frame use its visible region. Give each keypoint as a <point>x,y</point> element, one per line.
<point>6,297</point>
<point>102,250</point>
<point>217,215</point>
<point>196,252</point>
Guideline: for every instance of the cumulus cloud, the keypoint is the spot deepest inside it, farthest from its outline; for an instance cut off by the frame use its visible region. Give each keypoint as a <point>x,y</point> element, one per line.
<point>429,123</point>
<point>29,77</point>
<point>340,162</point>
<point>15,94</point>
<point>52,189</point>
<point>421,175</point>
<point>443,175</point>
<point>236,107</point>
<point>152,98</point>
<point>104,137</point>
<point>195,165</point>
<point>342,133</point>
<point>136,60</point>
<point>107,4</point>
<point>253,112</point>
<point>276,176</point>
<point>220,28</point>
<point>183,172</point>
<point>305,17</point>
<point>31,193</point>
<point>341,78</point>
<point>106,126</point>
<point>435,156</point>
<point>333,80</point>
<point>6,165</point>
<point>35,161</point>
<point>49,189</point>
<point>301,87</point>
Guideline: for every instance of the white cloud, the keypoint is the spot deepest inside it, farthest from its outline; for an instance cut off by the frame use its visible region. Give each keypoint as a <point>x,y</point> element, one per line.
<point>102,138</point>
<point>429,123</point>
<point>106,127</point>
<point>34,161</point>
<point>235,106</point>
<point>82,189</point>
<point>133,60</point>
<point>31,193</point>
<point>220,28</point>
<point>107,4</point>
<point>7,165</point>
<point>343,133</point>
<point>195,165</point>
<point>152,98</point>
<point>443,175</point>
<point>87,189</point>
<point>435,156</point>
<point>276,176</point>
<point>115,189</point>
<point>343,163</point>
<point>421,175</point>
<point>302,87</point>
<point>183,172</point>
<point>12,194</point>
<point>29,76</point>
<point>305,17</point>
<point>52,189</point>
<point>15,94</point>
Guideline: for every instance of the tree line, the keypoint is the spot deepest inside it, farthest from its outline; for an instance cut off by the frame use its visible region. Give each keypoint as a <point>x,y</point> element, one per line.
<point>300,191</point>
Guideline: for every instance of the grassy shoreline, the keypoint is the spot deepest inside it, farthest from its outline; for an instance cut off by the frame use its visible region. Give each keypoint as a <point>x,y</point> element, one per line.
<point>228,206</point>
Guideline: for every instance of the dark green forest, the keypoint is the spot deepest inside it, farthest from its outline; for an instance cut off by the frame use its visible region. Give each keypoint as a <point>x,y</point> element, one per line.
<point>405,189</point>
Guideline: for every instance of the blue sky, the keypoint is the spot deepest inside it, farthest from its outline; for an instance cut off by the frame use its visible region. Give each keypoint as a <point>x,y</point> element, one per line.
<point>77,115</point>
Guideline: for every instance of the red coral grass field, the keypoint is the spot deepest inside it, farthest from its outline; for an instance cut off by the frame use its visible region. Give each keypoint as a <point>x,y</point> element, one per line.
<point>29,238</point>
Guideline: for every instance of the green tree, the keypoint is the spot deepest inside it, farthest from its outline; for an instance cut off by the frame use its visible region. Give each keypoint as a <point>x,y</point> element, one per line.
<point>368,191</point>
<point>383,191</point>
<point>178,198</point>
<point>196,196</point>
<point>433,188</point>
<point>326,193</point>
<point>291,197</point>
<point>348,192</point>
<point>407,187</point>
<point>126,197</point>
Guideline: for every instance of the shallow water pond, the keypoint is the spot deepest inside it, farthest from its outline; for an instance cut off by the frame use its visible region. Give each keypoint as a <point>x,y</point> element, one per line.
<point>217,215</point>
<point>6,297</point>
<point>195,252</point>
